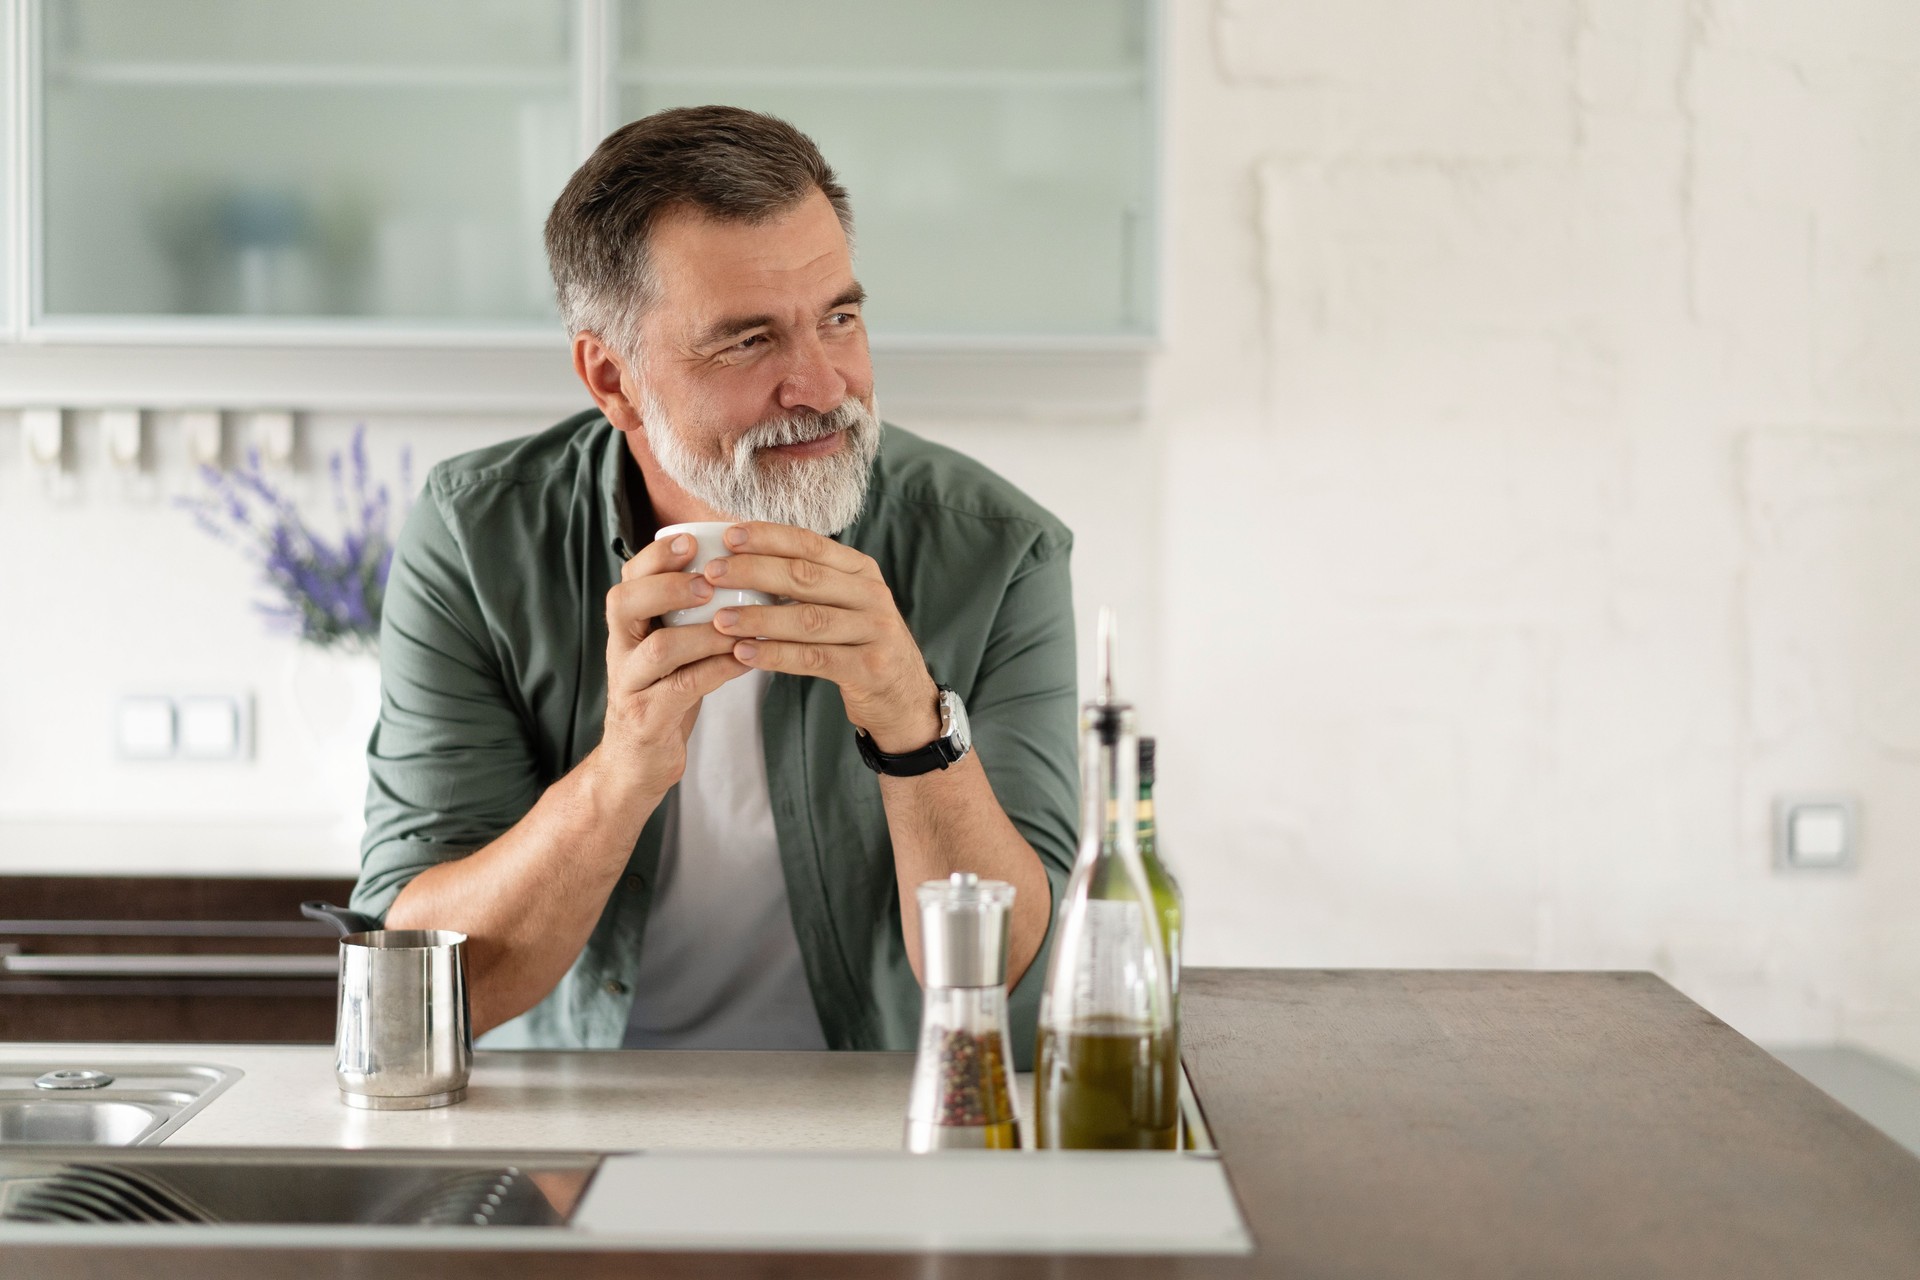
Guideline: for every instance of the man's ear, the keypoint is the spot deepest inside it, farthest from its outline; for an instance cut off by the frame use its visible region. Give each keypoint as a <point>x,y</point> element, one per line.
<point>605,376</point>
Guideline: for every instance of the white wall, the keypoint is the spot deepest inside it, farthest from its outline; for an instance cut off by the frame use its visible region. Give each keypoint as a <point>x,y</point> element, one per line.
<point>1530,491</point>
<point>1543,487</point>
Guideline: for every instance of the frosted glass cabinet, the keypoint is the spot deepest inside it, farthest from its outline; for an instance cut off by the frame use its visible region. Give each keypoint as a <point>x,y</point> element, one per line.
<point>378,170</point>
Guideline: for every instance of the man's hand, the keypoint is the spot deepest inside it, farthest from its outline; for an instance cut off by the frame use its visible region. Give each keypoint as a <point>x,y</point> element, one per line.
<point>657,675</point>
<point>843,626</point>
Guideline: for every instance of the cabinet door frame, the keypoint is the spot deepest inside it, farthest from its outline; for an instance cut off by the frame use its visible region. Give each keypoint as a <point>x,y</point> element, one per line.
<point>27,207</point>
<point>24,321</point>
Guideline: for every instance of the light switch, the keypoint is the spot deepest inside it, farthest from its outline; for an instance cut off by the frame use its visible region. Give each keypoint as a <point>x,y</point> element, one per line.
<point>209,728</point>
<point>144,728</point>
<point>1816,832</point>
<point>1819,835</point>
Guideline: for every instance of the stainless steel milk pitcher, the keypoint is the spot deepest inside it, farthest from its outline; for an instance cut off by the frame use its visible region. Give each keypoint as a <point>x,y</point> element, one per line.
<point>403,1038</point>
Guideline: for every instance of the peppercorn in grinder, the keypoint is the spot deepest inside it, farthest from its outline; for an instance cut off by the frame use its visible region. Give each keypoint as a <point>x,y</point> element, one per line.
<point>962,1088</point>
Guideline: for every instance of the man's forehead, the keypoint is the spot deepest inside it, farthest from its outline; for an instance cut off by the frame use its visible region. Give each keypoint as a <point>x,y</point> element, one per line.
<point>706,266</point>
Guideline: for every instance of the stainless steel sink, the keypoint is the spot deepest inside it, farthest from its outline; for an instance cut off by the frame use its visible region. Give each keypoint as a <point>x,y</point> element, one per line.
<point>77,1122</point>
<point>110,1104</point>
<point>249,1187</point>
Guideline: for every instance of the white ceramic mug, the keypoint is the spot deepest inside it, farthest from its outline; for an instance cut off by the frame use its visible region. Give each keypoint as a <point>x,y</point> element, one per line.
<point>708,545</point>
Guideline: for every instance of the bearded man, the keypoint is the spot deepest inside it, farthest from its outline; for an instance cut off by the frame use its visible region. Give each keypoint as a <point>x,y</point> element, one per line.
<point>709,836</point>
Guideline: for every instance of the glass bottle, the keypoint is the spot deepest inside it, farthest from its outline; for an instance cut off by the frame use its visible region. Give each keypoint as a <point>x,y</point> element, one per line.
<point>1167,900</point>
<point>1107,1066</point>
<point>962,1090</point>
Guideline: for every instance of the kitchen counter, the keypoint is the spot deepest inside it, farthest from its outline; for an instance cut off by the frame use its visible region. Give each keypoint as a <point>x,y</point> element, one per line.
<point>1375,1124</point>
<point>534,1100</point>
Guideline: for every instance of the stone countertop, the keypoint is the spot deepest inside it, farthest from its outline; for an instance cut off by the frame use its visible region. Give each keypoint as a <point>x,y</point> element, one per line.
<point>1374,1123</point>
<point>591,1100</point>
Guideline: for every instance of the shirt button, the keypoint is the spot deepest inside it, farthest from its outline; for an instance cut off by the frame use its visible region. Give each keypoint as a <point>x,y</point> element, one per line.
<point>615,987</point>
<point>631,882</point>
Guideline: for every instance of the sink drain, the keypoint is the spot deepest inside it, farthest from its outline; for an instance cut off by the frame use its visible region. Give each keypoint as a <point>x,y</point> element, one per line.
<point>73,1080</point>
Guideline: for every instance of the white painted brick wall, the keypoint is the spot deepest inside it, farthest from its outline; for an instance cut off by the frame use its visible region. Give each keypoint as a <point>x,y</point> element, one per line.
<point>1563,505</point>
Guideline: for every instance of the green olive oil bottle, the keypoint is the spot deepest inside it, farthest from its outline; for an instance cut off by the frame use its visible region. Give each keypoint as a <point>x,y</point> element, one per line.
<point>1107,1069</point>
<point>1166,890</point>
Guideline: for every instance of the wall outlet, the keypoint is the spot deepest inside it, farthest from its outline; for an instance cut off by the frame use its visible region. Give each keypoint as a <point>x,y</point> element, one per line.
<point>1816,832</point>
<point>187,726</point>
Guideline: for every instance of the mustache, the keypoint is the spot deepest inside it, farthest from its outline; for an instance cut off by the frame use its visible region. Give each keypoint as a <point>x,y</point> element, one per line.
<point>798,428</point>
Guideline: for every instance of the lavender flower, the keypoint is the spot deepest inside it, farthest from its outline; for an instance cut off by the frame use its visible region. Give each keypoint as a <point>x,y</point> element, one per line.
<point>325,593</point>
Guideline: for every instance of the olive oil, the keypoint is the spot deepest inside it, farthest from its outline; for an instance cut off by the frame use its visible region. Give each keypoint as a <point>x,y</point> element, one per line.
<point>1107,1087</point>
<point>1108,1049</point>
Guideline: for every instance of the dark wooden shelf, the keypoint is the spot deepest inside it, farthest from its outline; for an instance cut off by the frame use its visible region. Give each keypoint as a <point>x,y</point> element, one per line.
<point>70,916</point>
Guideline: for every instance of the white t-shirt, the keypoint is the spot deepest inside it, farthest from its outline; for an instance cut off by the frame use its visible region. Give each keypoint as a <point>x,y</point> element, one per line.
<point>720,964</point>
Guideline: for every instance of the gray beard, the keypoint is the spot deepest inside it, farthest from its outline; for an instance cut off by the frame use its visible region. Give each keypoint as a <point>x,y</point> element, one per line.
<point>821,494</point>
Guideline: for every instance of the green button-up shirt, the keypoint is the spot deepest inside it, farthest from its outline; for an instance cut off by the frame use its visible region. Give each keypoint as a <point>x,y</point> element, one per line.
<point>494,684</point>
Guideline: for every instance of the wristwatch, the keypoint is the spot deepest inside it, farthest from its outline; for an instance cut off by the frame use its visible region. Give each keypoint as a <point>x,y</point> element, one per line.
<point>951,747</point>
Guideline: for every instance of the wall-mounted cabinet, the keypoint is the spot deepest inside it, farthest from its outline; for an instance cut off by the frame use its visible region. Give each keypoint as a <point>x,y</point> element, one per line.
<point>375,172</point>
<point>998,151</point>
<point>378,163</point>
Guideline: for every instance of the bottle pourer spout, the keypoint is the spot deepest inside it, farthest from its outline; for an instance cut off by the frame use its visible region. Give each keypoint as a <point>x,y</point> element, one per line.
<point>1104,654</point>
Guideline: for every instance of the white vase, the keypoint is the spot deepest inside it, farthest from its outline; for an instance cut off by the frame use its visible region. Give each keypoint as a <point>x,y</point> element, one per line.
<point>336,700</point>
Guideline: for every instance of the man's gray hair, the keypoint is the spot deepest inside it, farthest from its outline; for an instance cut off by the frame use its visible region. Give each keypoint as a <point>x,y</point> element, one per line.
<point>726,162</point>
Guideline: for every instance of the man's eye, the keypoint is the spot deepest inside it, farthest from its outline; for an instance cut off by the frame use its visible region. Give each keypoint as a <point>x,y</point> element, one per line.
<point>749,343</point>
<point>841,318</point>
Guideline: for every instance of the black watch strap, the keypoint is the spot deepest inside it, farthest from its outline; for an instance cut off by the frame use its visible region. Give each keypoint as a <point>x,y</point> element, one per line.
<point>938,754</point>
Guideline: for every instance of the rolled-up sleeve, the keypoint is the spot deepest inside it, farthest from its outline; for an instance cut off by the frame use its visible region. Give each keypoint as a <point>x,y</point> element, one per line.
<point>451,763</point>
<point>1022,710</point>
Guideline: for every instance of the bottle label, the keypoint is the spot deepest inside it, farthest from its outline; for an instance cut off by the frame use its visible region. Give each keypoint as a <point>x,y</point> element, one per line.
<point>1110,983</point>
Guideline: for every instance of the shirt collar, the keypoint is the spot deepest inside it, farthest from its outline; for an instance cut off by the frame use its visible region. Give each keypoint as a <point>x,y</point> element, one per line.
<point>624,491</point>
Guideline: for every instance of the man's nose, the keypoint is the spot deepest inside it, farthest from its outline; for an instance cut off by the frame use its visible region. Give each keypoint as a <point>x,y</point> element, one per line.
<point>812,382</point>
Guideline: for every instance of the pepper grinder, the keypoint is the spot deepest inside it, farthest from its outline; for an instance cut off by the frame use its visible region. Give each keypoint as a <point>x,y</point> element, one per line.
<point>963,1094</point>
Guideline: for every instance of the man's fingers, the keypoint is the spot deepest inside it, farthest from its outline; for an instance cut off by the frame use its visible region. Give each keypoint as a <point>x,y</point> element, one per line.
<point>792,543</point>
<point>815,623</point>
<point>653,581</point>
<point>685,686</point>
<point>663,555</point>
<point>795,579</point>
<point>664,651</point>
<point>833,662</point>
<point>644,599</point>
<point>633,605</point>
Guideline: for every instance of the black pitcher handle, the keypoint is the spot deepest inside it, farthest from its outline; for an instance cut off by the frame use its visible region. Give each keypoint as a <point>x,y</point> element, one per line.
<point>339,917</point>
